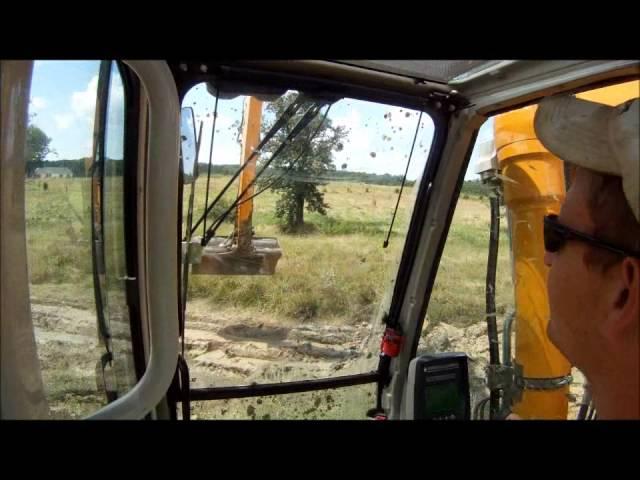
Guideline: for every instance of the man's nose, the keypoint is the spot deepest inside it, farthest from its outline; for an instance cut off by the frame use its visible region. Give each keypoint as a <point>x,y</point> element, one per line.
<point>548,256</point>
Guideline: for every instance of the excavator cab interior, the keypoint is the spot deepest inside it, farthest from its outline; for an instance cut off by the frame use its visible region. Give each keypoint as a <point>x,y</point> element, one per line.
<point>269,240</point>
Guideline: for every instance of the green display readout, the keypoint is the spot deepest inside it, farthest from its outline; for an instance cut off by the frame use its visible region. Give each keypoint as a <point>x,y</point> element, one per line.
<point>442,399</point>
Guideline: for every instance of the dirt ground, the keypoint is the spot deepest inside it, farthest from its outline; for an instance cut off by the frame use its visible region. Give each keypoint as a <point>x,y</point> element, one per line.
<point>231,349</point>
<point>228,348</point>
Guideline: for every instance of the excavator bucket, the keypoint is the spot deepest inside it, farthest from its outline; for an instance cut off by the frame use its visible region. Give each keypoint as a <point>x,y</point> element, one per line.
<point>220,258</point>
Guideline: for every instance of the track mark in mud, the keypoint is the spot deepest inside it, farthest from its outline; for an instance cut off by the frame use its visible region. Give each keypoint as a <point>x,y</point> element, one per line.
<point>253,331</point>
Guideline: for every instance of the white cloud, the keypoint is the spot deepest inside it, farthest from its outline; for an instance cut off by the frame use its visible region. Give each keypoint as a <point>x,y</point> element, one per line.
<point>38,103</point>
<point>225,148</point>
<point>376,143</point>
<point>223,154</point>
<point>84,103</point>
<point>358,137</point>
<point>64,120</point>
<point>380,139</point>
<point>352,120</point>
<point>116,89</point>
<point>399,120</point>
<point>224,123</point>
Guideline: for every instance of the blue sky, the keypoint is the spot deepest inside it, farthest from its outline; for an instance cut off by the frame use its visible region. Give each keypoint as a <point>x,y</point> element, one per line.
<point>375,144</point>
<point>379,141</point>
<point>63,96</point>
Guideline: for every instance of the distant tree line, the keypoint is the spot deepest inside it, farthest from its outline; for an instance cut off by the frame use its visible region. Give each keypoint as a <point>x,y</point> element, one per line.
<point>78,167</point>
<point>475,188</point>
<point>38,147</point>
<point>470,187</point>
<point>331,176</point>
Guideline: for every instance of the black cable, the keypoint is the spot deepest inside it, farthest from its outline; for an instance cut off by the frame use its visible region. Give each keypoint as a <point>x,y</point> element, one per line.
<point>213,136</point>
<point>492,328</point>
<point>304,121</point>
<point>404,179</point>
<point>284,118</point>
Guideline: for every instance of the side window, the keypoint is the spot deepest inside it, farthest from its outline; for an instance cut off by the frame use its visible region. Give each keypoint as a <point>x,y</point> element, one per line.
<point>456,317</point>
<point>492,273</point>
<point>59,186</point>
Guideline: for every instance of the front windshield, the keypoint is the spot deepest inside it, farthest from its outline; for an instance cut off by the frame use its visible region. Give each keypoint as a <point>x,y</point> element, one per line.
<point>328,181</point>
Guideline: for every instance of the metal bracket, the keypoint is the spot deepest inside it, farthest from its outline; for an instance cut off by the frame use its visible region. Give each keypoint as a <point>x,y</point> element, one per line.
<point>511,381</point>
<point>554,383</point>
<point>505,378</point>
<point>500,377</point>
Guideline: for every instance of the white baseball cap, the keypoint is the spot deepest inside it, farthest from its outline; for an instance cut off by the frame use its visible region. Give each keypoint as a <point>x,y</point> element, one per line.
<point>594,136</point>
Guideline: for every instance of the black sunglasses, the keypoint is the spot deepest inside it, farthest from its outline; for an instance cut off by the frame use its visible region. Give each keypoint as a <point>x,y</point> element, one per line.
<point>556,236</point>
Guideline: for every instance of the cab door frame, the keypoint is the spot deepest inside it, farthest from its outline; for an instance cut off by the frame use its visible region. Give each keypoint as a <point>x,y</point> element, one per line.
<point>157,194</point>
<point>22,393</point>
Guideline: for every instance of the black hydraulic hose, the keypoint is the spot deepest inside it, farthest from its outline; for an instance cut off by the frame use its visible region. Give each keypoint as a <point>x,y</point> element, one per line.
<point>492,328</point>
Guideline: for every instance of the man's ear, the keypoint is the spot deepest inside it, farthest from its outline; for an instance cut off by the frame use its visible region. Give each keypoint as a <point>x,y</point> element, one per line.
<point>623,298</point>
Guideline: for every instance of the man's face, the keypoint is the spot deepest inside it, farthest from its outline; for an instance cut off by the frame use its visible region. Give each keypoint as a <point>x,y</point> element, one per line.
<point>575,305</point>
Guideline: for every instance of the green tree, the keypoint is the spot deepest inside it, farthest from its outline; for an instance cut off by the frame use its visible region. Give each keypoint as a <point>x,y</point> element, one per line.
<point>38,144</point>
<point>37,148</point>
<point>298,187</point>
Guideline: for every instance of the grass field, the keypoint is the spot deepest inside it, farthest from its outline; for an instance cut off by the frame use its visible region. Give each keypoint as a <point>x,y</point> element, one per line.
<point>335,274</point>
<point>338,271</point>
<point>341,269</point>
